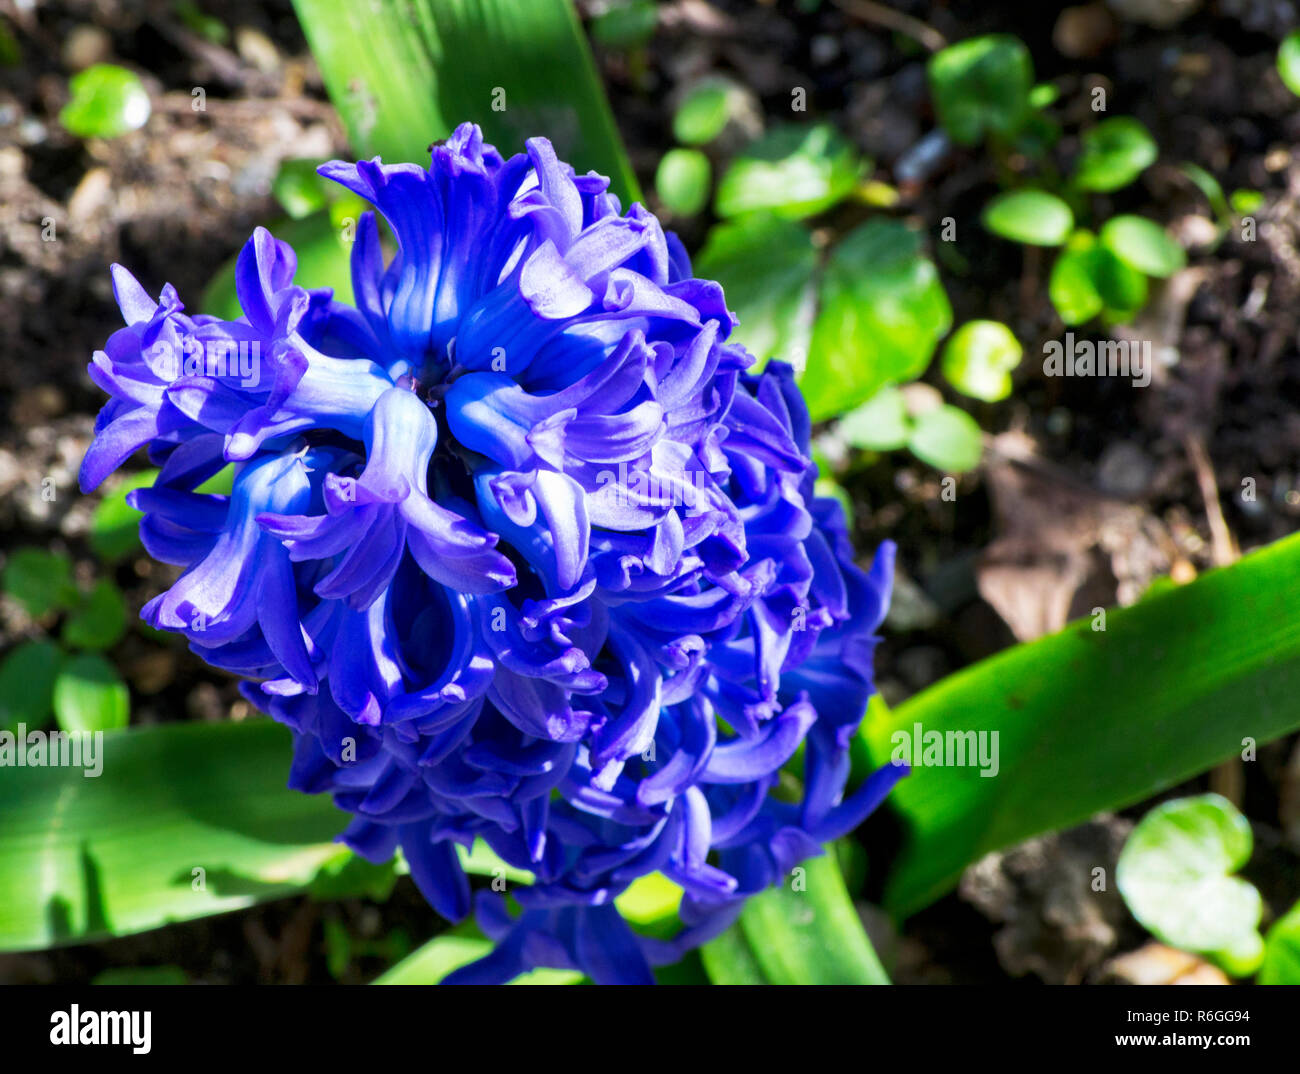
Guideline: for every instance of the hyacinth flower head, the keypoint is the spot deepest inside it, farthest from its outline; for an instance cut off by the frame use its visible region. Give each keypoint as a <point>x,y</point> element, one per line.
<point>518,549</point>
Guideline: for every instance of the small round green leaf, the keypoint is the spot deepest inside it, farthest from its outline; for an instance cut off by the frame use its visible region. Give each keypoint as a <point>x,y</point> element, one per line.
<point>704,111</point>
<point>100,621</point>
<point>1288,61</point>
<point>948,439</point>
<point>89,695</point>
<point>27,677</point>
<point>40,581</point>
<point>682,181</point>
<point>107,101</point>
<point>1033,217</point>
<point>981,85</point>
<point>1175,876</point>
<point>978,360</point>
<point>793,171</point>
<point>883,312</point>
<point>1143,244</point>
<point>625,24</point>
<point>1115,152</point>
<point>879,424</point>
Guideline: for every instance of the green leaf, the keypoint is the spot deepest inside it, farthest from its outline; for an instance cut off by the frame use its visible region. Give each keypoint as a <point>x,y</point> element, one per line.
<point>83,856</point>
<point>1088,279</point>
<point>978,359</point>
<point>100,621</point>
<point>40,581</point>
<point>27,677</point>
<point>1143,244</point>
<point>793,171</point>
<point>323,251</point>
<point>1115,152</point>
<point>90,696</point>
<point>947,438</point>
<point>1245,202</point>
<point>1209,186</point>
<point>682,181</point>
<point>982,86</point>
<point>625,24</point>
<point>805,930</point>
<point>883,311</point>
<point>1281,964</point>
<point>1033,217</point>
<point>1288,61</point>
<point>450,951</point>
<point>403,75</point>
<point>704,111</point>
<point>1091,719</point>
<point>765,266</point>
<point>1174,874</point>
<point>879,424</point>
<point>300,190</point>
<point>107,101</point>
<point>115,525</point>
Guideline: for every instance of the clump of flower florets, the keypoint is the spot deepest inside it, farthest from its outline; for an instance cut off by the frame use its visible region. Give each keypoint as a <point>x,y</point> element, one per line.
<point>516,547</point>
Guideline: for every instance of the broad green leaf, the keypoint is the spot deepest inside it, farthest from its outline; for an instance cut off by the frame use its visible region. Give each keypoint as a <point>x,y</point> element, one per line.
<point>765,266</point>
<point>83,856</point>
<point>947,438</point>
<point>27,676</point>
<point>1288,61</point>
<point>404,75</point>
<point>1143,244</point>
<point>805,930</point>
<point>1115,152</point>
<point>883,311</point>
<point>115,525</point>
<point>99,621</point>
<point>1175,875</point>
<point>1033,217</point>
<point>40,581</point>
<point>682,181</point>
<point>879,424</point>
<point>107,101</point>
<point>89,695</point>
<point>981,86</point>
<point>323,250</point>
<point>1091,719</point>
<point>793,171</point>
<point>704,111</point>
<point>978,359</point>
<point>450,951</point>
<point>1281,964</point>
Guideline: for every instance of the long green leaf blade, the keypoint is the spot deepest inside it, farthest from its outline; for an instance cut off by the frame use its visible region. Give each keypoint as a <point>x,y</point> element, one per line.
<point>1089,720</point>
<point>403,73</point>
<point>803,931</point>
<point>83,857</point>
